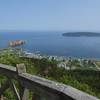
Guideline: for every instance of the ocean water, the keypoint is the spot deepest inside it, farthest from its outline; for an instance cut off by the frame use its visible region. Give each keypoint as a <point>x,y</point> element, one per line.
<point>53,43</point>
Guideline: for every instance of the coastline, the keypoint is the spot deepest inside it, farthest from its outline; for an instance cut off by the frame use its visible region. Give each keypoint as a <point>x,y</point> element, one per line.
<point>44,55</point>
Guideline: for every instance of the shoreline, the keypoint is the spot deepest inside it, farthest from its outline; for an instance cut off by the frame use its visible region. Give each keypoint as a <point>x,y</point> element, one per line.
<point>64,57</point>
<point>48,55</point>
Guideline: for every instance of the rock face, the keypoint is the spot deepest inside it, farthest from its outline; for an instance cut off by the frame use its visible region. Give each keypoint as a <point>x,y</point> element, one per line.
<point>16,43</point>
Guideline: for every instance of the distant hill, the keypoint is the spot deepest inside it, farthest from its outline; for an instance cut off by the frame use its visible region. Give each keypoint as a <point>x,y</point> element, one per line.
<point>81,34</point>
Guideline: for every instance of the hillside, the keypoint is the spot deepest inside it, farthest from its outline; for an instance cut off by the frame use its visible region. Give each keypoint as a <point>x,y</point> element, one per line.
<point>87,80</point>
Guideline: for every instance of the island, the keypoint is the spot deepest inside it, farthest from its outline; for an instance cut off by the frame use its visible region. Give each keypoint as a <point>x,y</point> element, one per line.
<point>81,34</point>
<point>16,43</point>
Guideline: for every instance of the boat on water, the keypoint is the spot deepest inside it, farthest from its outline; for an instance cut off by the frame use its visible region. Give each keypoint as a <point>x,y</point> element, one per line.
<point>16,43</point>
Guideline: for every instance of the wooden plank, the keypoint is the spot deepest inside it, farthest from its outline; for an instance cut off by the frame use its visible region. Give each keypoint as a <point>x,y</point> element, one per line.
<point>78,95</point>
<point>44,86</point>
<point>2,98</point>
<point>8,71</point>
<point>20,68</point>
<point>13,87</point>
<point>24,92</point>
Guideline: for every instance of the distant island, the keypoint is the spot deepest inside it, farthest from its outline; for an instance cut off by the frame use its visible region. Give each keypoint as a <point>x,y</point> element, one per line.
<point>81,34</point>
<point>16,43</point>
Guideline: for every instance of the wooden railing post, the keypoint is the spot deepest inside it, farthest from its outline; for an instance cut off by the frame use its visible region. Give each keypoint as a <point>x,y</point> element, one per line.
<point>20,68</point>
<point>24,92</point>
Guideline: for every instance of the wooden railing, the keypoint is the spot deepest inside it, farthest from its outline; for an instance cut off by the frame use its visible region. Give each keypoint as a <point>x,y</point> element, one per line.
<point>41,89</point>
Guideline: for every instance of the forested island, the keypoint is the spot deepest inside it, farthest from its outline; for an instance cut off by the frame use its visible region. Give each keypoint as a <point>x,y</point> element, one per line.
<point>81,34</point>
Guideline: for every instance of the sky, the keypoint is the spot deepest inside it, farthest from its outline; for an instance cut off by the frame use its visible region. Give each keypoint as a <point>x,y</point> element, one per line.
<point>50,15</point>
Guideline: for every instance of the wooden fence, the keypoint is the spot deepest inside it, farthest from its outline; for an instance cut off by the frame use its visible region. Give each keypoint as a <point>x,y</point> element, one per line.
<point>41,89</point>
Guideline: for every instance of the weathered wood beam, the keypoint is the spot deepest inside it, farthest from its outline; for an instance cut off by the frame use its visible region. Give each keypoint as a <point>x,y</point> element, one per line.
<point>2,98</point>
<point>24,92</point>
<point>51,88</point>
<point>20,68</point>
<point>8,71</point>
<point>14,89</point>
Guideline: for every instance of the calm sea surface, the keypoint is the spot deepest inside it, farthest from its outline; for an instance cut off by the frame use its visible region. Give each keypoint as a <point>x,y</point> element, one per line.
<point>53,43</point>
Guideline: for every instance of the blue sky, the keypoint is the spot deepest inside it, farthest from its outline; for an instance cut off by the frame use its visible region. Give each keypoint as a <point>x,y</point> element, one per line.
<point>50,15</point>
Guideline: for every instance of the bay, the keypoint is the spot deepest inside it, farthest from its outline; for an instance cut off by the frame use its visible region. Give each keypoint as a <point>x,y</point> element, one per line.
<point>53,43</point>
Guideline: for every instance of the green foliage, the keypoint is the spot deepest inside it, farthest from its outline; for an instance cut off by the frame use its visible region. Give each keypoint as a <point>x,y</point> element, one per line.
<point>85,80</point>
